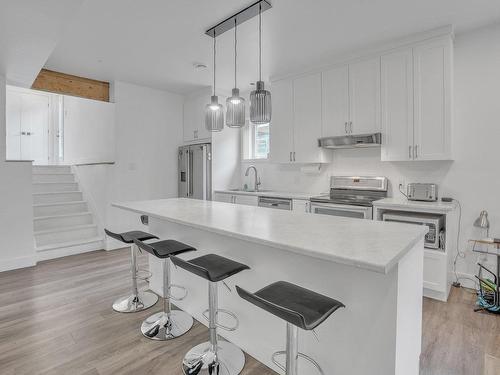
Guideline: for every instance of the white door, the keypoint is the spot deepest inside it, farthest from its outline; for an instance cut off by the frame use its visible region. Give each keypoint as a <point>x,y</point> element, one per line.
<point>397,105</point>
<point>27,119</point>
<point>281,128</point>
<point>307,119</point>
<point>35,125</point>
<point>335,101</point>
<point>432,79</point>
<point>13,122</point>
<point>364,96</point>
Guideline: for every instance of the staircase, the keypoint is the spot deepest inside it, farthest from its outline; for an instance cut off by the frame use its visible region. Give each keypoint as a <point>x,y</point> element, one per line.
<point>62,220</point>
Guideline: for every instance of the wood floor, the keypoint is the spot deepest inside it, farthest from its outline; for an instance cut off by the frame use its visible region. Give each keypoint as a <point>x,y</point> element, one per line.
<point>56,318</point>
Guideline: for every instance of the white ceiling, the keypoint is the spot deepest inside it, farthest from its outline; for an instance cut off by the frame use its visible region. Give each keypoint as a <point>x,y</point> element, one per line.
<point>156,42</point>
<point>29,32</point>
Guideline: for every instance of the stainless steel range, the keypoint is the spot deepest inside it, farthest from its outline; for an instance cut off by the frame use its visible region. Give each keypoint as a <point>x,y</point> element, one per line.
<point>350,196</point>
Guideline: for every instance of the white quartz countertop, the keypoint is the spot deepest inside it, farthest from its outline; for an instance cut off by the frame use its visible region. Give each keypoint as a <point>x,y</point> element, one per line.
<point>270,193</point>
<point>372,245</point>
<point>405,204</point>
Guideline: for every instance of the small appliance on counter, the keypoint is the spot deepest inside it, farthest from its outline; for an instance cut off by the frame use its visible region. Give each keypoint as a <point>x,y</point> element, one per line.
<point>422,192</point>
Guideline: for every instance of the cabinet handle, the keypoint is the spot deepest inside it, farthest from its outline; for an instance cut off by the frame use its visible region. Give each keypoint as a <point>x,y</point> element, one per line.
<point>290,156</point>
<point>350,127</point>
<point>416,151</point>
<point>294,156</point>
<point>409,152</point>
<point>345,127</point>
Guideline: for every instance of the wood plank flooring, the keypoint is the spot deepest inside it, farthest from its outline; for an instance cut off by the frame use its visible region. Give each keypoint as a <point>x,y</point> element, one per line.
<point>56,318</point>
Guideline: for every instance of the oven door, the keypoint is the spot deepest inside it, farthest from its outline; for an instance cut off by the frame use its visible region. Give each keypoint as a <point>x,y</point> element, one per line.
<point>344,210</point>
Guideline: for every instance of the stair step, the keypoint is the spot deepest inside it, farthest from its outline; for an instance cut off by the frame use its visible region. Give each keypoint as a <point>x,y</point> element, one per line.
<point>61,221</point>
<point>62,249</point>
<point>65,234</point>
<point>47,187</point>
<point>57,197</point>
<point>51,169</point>
<point>60,208</point>
<point>53,177</point>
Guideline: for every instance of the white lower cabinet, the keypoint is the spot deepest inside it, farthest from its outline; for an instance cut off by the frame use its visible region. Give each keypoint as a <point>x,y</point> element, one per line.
<point>300,205</point>
<point>248,200</point>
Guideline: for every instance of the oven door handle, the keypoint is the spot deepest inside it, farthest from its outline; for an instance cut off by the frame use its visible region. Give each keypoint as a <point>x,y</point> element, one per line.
<point>366,211</point>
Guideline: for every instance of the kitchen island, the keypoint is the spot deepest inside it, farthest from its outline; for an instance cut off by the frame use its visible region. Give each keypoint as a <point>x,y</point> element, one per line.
<point>374,268</point>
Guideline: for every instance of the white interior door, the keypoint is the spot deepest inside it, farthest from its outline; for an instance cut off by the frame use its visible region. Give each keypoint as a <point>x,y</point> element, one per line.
<point>13,130</point>
<point>35,128</point>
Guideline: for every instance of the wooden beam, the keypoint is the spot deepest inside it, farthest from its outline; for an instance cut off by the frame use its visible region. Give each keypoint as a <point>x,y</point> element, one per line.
<point>62,83</point>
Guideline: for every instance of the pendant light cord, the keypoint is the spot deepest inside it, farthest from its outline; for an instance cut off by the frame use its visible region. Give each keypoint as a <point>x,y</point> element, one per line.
<point>235,50</point>
<point>214,62</point>
<point>260,42</point>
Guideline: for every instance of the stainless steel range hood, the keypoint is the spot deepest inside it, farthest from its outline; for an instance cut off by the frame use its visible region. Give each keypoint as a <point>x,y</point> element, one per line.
<point>351,141</point>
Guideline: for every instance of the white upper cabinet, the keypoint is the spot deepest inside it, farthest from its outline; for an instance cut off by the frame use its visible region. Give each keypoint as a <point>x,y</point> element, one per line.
<point>432,64</point>
<point>296,122</point>
<point>281,128</point>
<point>364,96</point>
<point>307,119</point>
<point>194,117</point>
<point>416,102</point>
<point>397,105</point>
<point>335,101</point>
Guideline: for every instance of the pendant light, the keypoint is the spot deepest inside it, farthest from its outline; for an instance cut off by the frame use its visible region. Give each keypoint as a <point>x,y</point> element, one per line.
<point>214,112</point>
<point>235,105</point>
<point>260,99</point>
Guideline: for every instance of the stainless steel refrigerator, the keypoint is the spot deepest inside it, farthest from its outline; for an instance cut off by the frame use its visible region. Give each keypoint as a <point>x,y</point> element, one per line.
<point>195,171</point>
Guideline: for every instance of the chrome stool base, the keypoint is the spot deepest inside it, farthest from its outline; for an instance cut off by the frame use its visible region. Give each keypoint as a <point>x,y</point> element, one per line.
<point>162,326</point>
<point>202,359</point>
<point>130,304</point>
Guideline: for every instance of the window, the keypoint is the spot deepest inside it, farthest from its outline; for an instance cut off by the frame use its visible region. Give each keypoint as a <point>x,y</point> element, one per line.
<point>255,141</point>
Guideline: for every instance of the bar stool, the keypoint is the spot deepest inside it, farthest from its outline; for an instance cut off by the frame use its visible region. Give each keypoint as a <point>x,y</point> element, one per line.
<point>213,357</point>
<point>167,324</point>
<point>138,301</point>
<point>300,308</point>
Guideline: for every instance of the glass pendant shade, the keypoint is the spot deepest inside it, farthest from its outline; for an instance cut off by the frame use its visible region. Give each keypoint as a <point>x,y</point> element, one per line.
<point>235,110</point>
<point>260,105</point>
<point>214,115</point>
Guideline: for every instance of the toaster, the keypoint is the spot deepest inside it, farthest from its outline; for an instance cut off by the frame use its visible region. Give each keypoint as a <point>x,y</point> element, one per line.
<point>422,192</point>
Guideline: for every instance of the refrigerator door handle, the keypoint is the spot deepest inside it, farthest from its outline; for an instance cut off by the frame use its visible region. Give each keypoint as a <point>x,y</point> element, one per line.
<point>188,173</point>
<point>190,184</point>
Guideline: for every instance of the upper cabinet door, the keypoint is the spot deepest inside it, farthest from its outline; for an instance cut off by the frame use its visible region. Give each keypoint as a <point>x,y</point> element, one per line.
<point>397,105</point>
<point>194,117</point>
<point>307,119</point>
<point>335,101</point>
<point>281,128</point>
<point>364,96</point>
<point>432,79</point>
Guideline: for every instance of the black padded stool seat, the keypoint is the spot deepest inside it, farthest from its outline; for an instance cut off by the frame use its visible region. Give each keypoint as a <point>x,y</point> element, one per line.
<point>164,249</point>
<point>129,237</point>
<point>296,305</point>
<point>211,267</point>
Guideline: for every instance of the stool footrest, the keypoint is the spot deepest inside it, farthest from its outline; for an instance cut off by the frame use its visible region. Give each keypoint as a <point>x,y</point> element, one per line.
<point>177,287</point>
<point>221,326</point>
<point>301,355</point>
<point>143,274</point>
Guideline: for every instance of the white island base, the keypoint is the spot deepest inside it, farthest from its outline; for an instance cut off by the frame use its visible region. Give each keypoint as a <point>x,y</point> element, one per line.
<point>378,333</point>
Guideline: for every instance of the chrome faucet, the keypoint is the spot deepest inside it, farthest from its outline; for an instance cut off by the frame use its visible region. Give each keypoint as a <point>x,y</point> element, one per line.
<point>257,179</point>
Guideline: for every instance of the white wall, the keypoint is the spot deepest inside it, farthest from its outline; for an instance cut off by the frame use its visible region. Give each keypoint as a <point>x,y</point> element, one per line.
<point>148,131</point>
<point>473,177</point>
<point>16,210</point>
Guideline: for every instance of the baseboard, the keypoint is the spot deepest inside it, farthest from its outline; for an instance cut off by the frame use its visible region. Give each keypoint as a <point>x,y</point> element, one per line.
<point>70,250</point>
<point>17,263</point>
